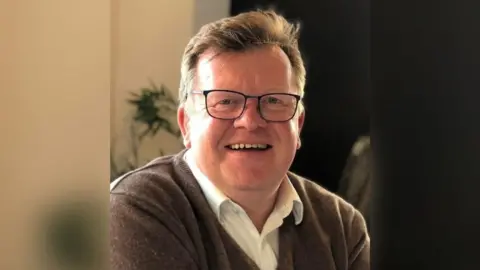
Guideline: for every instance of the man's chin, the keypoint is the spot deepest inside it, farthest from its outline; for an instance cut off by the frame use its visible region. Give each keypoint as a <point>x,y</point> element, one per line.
<point>252,179</point>
<point>255,162</point>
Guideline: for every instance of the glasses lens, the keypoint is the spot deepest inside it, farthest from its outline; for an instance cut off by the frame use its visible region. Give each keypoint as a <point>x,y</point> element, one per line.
<point>278,107</point>
<point>225,104</point>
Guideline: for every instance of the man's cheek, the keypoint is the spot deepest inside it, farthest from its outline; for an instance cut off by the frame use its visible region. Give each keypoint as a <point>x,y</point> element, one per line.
<point>198,128</point>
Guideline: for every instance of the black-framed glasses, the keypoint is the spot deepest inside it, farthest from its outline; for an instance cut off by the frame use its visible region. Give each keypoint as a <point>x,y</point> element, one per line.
<point>229,105</point>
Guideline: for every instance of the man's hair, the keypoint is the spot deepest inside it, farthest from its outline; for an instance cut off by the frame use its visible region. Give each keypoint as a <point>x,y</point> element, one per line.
<point>240,33</point>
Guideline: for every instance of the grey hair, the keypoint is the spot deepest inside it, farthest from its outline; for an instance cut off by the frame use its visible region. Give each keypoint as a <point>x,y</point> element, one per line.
<point>241,33</point>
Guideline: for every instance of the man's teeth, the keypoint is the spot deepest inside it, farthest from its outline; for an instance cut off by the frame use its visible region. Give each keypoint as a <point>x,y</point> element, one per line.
<point>248,146</point>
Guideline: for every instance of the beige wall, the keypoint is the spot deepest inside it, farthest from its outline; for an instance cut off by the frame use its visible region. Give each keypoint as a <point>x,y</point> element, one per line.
<point>209,10</point>
<point>55,82</point>
<point>148,40</point>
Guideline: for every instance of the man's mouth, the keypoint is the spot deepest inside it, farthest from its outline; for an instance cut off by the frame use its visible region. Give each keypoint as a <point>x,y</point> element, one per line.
<point>248,147</point>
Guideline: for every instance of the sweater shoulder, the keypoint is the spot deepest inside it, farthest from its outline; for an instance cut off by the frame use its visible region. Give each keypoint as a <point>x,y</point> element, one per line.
<point>318,194</point>
<point>155,174</point>
<point>155,186</point>
<point>331,220</point>
<point>331,210</point>
<point>150,211</point>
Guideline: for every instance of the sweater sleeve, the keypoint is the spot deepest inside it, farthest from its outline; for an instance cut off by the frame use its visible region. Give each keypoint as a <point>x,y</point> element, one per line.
<point>139,240</point>
<point>359,246</point>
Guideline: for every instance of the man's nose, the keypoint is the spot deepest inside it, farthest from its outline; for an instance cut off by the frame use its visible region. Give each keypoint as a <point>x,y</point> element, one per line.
<point>250,118</point>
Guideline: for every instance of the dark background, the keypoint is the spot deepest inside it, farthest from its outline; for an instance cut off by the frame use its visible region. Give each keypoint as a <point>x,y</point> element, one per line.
<point>423,59</point>
<point>335,43</point>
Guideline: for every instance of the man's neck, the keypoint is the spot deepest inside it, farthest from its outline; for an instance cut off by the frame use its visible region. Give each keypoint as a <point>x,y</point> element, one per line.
<point>257,204</point>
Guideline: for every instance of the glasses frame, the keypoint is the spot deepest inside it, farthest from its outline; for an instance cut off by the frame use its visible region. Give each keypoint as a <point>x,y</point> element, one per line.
<point>246,97</point>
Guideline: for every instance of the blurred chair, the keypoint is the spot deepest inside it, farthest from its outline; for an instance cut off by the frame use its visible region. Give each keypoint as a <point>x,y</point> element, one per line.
<point>356,182</point>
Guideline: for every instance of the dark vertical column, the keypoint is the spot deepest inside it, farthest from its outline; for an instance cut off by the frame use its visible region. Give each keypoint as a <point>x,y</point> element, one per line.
<point>426,134</point>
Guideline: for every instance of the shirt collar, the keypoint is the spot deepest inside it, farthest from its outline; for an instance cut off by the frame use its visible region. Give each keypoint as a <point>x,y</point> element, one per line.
<point>288,199</point>
<point>214,196</point>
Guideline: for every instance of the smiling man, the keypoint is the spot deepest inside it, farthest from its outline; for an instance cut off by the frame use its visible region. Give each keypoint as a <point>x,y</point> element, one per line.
<point>228,200</point>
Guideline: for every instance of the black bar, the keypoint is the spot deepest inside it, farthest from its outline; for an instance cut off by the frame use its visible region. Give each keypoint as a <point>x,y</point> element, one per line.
<point>426,134</point>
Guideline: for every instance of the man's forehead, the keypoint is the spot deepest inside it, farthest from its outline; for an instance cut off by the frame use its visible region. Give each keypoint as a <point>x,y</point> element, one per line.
<point>213,61</point>
<point>215,68</point>
<point>207,63</point>
<point>213,56</point>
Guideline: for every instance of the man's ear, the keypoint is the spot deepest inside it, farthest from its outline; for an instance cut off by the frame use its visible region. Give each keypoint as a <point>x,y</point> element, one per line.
<point>183,123</point>
<point>301,121</point>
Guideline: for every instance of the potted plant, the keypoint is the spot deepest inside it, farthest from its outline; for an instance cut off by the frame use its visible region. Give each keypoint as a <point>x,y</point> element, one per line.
<point>154,109</point>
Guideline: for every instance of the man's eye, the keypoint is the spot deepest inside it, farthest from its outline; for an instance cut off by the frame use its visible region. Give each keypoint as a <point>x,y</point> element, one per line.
<point>273,100</point>
<point>225,101</point>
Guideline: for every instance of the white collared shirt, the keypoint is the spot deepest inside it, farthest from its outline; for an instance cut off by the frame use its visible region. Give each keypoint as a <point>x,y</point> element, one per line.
<point>262,247</point>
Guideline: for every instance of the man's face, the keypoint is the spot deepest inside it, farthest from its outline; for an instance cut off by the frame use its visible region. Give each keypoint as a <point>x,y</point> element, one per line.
<point>256,72</point>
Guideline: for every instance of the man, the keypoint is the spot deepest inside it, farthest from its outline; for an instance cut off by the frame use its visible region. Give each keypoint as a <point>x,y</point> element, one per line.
<point>228,201</point>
